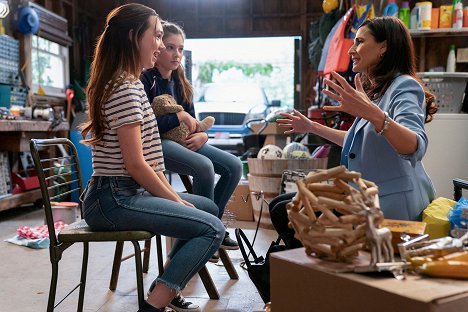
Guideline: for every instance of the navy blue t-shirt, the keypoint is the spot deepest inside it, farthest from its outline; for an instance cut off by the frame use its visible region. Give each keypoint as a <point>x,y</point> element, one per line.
<point>156,85</point>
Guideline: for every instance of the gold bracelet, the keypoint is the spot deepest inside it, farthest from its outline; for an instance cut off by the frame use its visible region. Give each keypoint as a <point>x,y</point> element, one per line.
<point>385,125</point>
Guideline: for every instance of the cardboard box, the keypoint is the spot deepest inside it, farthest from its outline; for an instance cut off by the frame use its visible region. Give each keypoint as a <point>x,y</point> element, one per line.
<point>240,203</point>
<point>303,283</point>
<point>399,227</point>
<point>272,128</point>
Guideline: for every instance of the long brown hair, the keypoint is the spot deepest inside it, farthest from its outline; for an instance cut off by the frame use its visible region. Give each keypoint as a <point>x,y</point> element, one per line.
<point>186,89</point>
<point>399,59</point>
<point>115,54</point>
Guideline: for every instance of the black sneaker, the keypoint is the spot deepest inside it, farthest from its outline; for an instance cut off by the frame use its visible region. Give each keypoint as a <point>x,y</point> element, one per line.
<point>179,304</point>
<point>214,258</point>
<point>149,308</point>
<point>229,243</point>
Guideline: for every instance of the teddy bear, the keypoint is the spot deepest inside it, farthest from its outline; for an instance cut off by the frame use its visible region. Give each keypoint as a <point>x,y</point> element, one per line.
<point>166,104</point>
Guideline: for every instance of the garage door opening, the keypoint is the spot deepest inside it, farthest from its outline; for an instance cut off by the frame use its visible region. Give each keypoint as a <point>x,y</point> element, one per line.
<point>266,61</point>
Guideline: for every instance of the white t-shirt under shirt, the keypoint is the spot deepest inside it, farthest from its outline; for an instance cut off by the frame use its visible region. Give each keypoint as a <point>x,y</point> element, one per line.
<point>127,104</point>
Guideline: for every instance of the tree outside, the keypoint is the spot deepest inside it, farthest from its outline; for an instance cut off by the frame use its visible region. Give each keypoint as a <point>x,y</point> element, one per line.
<point>268,62</point>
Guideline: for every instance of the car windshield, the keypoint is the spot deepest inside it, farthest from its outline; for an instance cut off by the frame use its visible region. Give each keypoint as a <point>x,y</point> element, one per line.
<point>234,93</point>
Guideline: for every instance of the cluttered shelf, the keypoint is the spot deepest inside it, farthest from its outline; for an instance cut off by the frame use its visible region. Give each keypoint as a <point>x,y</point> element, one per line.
<point>439,32</point>
<point>28,125</point>
<point>15,135</point>
<point>9,201</point>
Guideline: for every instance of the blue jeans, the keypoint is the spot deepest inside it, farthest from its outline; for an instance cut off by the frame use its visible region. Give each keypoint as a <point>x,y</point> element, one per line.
<point>202,166</point>
<point>119,203</point>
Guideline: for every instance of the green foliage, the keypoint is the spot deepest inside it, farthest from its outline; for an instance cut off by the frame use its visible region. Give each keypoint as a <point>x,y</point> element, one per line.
<point>207,69</point>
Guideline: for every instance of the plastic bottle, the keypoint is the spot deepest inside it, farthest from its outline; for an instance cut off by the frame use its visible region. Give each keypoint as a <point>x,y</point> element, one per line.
<point>391,9</point>
<point>404,13</point>
<point>414,18</point>
<point>457,21</point>
<point>451,59</point>
<point>424,15</point>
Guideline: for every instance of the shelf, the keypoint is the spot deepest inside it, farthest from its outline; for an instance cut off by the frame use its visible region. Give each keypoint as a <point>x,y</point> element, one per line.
<point>443,74</point>
<point>440,32</point>
<point>16,200</point>
<point>31,125</point>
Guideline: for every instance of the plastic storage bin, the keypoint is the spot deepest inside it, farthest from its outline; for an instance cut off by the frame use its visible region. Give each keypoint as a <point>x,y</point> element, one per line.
<point>448,89</point>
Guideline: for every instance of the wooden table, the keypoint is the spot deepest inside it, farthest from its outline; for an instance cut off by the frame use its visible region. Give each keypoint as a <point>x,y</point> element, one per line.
<point>14,138</point>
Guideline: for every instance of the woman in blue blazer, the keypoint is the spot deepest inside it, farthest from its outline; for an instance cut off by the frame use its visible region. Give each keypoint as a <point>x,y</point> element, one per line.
<point>387,140</point>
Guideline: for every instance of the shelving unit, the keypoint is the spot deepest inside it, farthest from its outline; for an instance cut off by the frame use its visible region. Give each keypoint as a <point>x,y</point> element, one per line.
<point>11,201</point>
<point>439,32</point>
<point>437,55</point>
<point>15,136</point>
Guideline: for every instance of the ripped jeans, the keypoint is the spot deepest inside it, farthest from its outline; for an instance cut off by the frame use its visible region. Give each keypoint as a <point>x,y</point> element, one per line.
<point>119,203</point>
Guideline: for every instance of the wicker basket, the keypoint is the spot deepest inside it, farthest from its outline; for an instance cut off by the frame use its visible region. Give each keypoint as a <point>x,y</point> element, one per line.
<point>265,176</point>
<point>448,88</point>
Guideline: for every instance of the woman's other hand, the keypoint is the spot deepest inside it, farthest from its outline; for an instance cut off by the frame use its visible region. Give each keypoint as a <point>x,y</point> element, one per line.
<point>352,101</point>
<point>296,121</point>
<point>188,120</point>
<point>195,141</point>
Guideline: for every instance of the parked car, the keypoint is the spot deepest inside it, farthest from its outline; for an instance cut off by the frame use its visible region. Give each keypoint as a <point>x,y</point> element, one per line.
<point>232,105</point>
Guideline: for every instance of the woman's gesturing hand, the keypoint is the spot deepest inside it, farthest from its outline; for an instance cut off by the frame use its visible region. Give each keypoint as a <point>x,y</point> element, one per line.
<point>352,101</point>
<point>296,121</point>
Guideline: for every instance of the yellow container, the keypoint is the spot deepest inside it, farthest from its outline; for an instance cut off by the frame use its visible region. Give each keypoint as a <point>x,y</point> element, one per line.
<point>445,15</point>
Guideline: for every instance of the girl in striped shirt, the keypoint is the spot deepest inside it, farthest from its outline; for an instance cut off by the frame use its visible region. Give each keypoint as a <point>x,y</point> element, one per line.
<point>128,189</point>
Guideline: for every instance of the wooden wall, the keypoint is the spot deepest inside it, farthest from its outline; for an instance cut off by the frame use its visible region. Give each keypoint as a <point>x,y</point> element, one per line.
<point>200,19</point>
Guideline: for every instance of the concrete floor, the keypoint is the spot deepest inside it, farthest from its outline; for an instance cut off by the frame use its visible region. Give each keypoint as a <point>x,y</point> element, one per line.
<point>25,274</point>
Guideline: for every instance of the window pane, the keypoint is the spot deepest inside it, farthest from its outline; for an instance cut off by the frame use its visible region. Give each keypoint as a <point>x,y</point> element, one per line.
<point>46,45</point>
<point>47,70</point>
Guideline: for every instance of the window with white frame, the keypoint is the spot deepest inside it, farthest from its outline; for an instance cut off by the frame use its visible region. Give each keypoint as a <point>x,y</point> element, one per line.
<point>49,62</point>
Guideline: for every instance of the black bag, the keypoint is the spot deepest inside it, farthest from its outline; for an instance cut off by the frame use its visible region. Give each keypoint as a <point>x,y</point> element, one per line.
<point>258,268</point>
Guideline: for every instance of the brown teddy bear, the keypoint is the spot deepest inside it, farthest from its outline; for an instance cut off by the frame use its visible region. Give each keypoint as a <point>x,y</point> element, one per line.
<point>166,104</point>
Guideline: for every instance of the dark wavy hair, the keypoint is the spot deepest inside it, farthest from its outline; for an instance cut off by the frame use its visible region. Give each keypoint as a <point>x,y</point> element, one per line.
<point>398,60</point>
<point>115,53</point>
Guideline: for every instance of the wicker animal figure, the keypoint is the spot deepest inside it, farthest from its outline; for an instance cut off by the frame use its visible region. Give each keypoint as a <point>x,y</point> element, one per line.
<point>166,104</point>
<point>379,239</point>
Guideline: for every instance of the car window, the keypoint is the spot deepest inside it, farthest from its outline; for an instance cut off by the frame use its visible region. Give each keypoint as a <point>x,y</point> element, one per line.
<point>234,93</point>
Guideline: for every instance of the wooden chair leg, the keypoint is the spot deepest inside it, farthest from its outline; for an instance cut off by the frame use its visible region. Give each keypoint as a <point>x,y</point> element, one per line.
<point>84,270</point>
<point>208,283</point>
<point>159,255</point>
<point>116,265</point>
<point>146,255</point>
<point>223,255</point>
<point>139,273</point>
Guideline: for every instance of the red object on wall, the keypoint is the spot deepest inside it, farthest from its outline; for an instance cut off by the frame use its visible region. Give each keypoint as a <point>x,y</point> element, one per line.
<point>27,182</point>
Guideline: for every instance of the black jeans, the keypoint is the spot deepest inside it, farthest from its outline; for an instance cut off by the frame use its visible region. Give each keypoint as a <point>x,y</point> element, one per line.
<point>279,218</point>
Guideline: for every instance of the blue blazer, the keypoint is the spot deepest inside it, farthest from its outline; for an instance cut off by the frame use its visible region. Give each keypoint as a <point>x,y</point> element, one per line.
<point>405,189</point>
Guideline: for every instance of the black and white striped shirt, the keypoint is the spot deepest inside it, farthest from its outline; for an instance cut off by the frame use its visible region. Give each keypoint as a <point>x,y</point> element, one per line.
<point>127,104</point>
